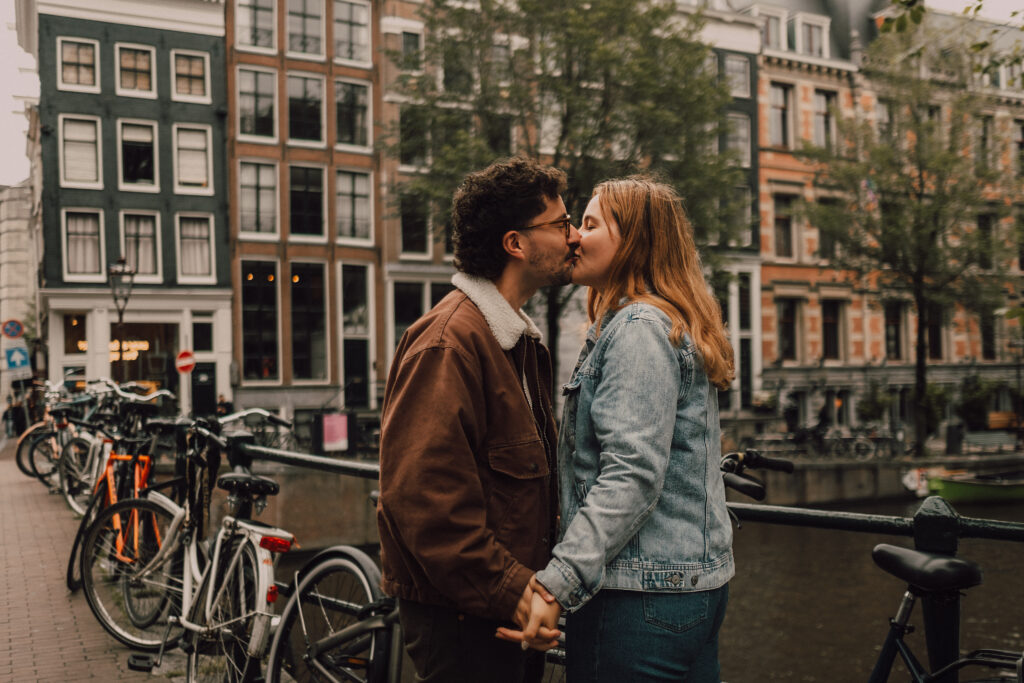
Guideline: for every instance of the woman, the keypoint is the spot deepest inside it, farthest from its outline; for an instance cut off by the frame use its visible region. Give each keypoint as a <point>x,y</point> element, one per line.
<point>645,556</point>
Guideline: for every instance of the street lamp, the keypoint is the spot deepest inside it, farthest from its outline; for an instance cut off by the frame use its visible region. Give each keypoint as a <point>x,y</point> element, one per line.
<point>121,277</point>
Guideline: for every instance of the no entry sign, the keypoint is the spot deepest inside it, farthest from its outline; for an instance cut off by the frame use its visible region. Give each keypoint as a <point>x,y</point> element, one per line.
<point>185,362</point>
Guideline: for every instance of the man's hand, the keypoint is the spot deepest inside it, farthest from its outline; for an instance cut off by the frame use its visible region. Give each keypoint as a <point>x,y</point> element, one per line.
<point>537,615</point>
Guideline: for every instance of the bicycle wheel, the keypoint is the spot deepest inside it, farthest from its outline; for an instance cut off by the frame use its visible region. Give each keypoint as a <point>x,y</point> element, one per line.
<point>122,586</point>
<point>76,475</point>
<point>25,445</point>
<point>863,449</point>
<point>74,573</point>
<point>43,457</point>
<point>329,597</point>
<point>220,656</point>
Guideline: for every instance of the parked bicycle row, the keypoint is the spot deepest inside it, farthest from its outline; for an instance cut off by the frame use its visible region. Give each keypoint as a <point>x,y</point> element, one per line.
<point>834,442</point>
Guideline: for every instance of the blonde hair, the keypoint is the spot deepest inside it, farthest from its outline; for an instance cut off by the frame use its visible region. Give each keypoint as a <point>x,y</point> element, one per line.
<point>656,262</point>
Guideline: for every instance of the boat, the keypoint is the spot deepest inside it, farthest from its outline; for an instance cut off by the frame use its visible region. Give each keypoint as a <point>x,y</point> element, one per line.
<point>967,487</point>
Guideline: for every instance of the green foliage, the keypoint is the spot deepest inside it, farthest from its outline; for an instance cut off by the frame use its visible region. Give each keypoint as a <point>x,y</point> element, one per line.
<point>976,401</point>
<point>873,405</point>
<point>933,408</point>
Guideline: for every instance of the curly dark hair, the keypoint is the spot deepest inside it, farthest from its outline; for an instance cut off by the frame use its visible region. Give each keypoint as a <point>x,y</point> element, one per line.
<point>502,197</point>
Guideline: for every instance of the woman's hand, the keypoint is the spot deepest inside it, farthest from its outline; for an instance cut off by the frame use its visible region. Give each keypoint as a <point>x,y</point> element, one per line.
<point>539,631</point>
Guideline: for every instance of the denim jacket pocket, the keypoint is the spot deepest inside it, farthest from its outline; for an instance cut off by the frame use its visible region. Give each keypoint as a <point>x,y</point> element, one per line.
<point>676,612</point>
<point>525,460</point>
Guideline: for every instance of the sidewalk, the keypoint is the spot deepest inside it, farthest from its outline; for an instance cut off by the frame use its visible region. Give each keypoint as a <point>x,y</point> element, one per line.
<point>46,632</point>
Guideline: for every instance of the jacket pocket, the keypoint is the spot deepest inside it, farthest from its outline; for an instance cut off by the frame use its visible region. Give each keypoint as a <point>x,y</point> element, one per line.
<point>526,460</point>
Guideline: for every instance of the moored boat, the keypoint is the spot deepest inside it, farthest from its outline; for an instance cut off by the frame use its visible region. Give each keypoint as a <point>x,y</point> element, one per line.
<point>969,487</point>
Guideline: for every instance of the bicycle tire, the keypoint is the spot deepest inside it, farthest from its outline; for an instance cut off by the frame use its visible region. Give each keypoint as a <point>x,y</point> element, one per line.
<point>75,475</point>
<point>42,458</point>
<point>862,448</point>
<point>24,445</point>
<point>331,595</point>
<point>74,572</point>
<point>221,657</point>
<point>119,543</point>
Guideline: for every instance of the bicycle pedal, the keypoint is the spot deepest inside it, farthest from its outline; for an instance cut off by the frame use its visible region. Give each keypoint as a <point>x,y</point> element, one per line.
<point>137,662</point>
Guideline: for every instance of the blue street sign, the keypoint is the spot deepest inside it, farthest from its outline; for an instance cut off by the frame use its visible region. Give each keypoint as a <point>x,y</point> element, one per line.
<point>17,358</point>
<point>12,328</point>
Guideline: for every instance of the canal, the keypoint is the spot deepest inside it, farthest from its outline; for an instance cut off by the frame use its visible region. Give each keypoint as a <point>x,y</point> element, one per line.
<point>810,605</point>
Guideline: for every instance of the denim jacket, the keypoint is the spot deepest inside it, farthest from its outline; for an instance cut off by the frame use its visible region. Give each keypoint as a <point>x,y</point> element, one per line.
<point>642,499</point>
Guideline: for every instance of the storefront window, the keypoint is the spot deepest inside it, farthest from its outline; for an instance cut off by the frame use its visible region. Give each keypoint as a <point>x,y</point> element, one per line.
<point>74,333</point>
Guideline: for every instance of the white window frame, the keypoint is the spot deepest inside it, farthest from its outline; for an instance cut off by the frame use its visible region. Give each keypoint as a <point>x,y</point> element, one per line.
<point>188,189</point>
<point>210,279</point>
<point>244,47</point>
<point>371,335</point>
<point>775,13</point>
<point>308,56</point>
<point>404,255</point>
<point>354,241</point>
<point>279,380</point>
<point>158,278</point>
<point>133,187</point>
<point>428,156</point>
<point>744,91</point>
<point>791,123</point>
<point>300,142</point>
<point>741,120</point>
<point>175,95</point>
<point>345,147</point>
<point>801,19</point>
<point>98,185</point>
<point>100,277</point>
<point>417,31</point>
<point>248,137</point>
<point>261,236</point>
<point>328,365</point>
<point>74,87</point>
<point>360,64</point>
<point>310,239</point>
<point>831,100</point>
<point>426,281</point>
<point>128,92</point>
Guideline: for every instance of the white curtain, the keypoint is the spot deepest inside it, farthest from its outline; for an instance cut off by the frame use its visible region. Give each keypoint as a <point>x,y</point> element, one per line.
<point>140,243</point>
<point>80,159</point>
<point>192,158</point>
<point>195,246</point>
<point>83,238</point>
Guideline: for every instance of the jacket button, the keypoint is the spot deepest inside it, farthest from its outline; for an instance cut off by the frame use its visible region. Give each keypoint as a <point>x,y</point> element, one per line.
<point>693,580</point>
<point>534,467</point>
<point>675,579</point>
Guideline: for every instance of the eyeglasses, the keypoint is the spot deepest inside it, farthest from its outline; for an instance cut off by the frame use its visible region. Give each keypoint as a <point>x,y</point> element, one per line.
<point>565,222</point>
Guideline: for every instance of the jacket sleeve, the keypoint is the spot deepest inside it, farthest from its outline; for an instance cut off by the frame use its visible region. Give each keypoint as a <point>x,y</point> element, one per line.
<point>633,413</point>
<point>431,494</point>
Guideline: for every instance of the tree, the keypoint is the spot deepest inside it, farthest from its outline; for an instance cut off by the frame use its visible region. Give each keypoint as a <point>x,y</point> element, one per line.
<point>600,89</point>
<point>916,191</point>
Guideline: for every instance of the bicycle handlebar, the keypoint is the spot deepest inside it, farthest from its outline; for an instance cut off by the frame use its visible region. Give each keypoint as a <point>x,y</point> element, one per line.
<point>265,414</point>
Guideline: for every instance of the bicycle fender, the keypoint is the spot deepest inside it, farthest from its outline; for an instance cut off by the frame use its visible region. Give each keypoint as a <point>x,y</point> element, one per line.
<point>355,555</point>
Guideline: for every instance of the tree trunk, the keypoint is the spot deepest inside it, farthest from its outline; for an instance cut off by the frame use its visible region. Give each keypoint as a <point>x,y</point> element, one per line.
<point>553,314</point>
<point>920,376</point>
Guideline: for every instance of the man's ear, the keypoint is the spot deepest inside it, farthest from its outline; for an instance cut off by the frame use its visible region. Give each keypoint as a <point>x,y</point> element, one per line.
<point>512,242</point>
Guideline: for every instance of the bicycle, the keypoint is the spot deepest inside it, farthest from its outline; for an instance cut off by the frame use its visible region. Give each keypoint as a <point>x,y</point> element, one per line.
<point>153,583</point>
<point>336,626</point>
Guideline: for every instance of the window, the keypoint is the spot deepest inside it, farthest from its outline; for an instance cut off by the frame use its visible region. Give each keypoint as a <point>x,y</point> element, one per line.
<point>138,155</point>
<point>305,26</point>
<point>414,138</point>
<point>78,66</point>
<point>193,163</point>
<point>741,216</point>
<point>309,314</point>
<point>788,309</point>
<point>352,31</point>
<point>83,246</point>
<point>305,108</point>
<point>257,211</point>
<point>501,63</point>
<point>1018,147</point>
<point>497,130</point>
<point>353,205</point>
<point>773,32</point>
<point>824,104</point>
<point>306,191</point>
<point>987,328</point>
<point>894,330</point>
<point>136,75</point>
<point>779,121</point>
<point>986,223</point>
<point>191,76</point>
<point>783,226</point>
<point>140,244</point>
<point>412,49</point>
<point>256,95</point>
<point>256,23</point>
<point>812,39</point>
<point>738,137</point>
<point>883,119</point>
<point>831,322</point>
<point>412,299</point>
<point>458,74</point>
<point>353,113</point>
<point>984,146</point>
<point>934,331</point>
<point>737,70</point>
<point>80,152</point>
<point>355,334</point>
<point>259,320</point>
<point>414,226</point>
<point>746,373</point>
<point>202,334</point>
<point>195,249</point>
<point>75,339</point>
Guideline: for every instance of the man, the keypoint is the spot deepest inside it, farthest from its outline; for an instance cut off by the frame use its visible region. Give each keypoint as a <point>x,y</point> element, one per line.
<point>468,490</point>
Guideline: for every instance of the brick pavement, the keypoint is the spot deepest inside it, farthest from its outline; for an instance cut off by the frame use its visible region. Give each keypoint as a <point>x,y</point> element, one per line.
<point>47,634</point>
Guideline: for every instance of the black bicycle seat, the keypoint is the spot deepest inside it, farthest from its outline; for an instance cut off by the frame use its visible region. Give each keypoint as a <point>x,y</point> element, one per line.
<point>248,485</point>
<point>929,572</point>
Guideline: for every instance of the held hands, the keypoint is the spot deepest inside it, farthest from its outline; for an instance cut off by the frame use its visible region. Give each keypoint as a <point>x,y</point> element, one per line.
<point>537,615</point>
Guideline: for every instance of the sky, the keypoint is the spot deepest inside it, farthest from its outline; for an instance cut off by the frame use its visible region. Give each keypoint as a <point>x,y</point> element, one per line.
<point>14,83</point>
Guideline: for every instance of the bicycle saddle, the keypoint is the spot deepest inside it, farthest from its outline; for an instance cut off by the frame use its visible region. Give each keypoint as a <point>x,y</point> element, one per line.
<point>929,572</point>
<point>248,485</point>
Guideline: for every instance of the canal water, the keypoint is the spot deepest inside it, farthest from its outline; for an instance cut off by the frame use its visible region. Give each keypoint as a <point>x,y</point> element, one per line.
<point>810,605</point>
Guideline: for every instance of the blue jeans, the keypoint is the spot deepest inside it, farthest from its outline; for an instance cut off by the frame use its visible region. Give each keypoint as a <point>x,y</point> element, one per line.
<point>636,637</point>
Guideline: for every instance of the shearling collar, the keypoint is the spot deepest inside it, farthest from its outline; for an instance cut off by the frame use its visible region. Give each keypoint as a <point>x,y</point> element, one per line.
<point>506,325</point>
